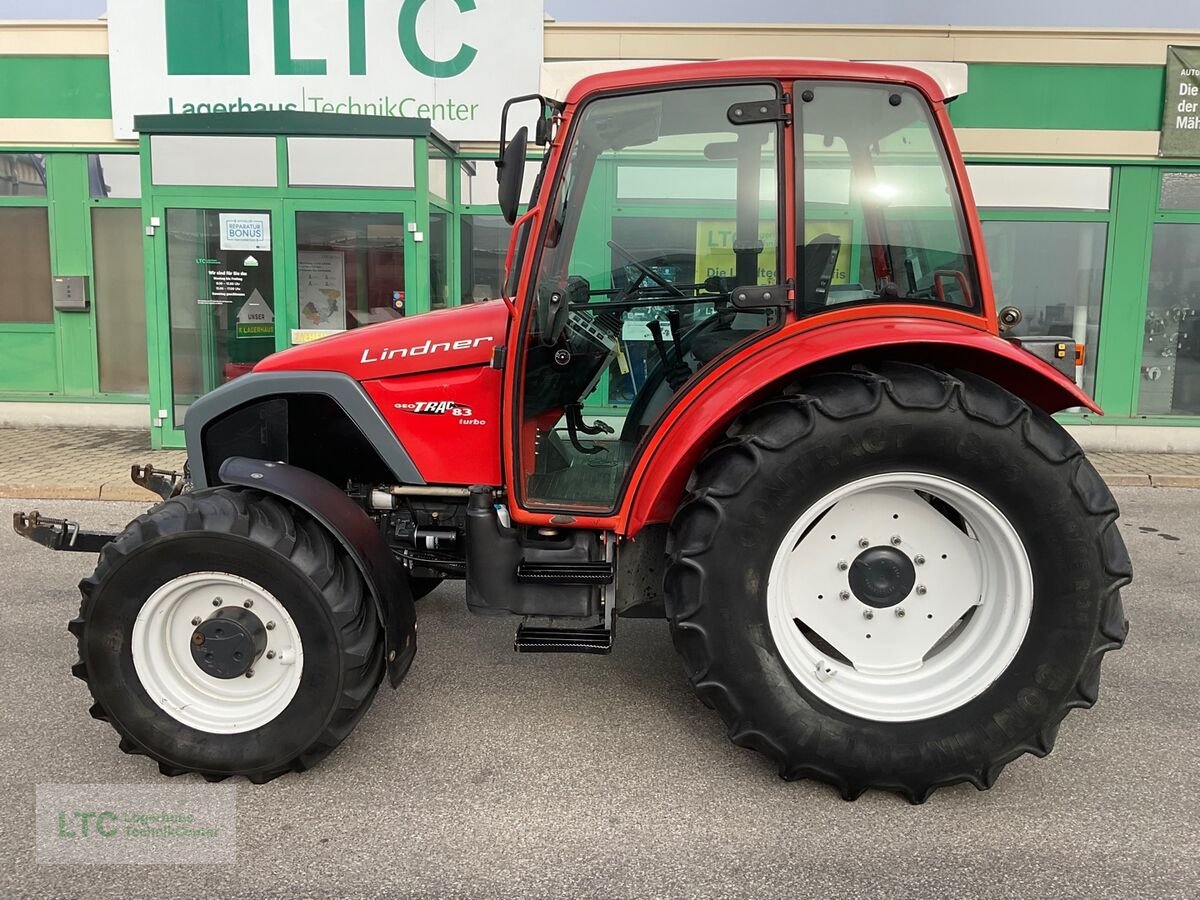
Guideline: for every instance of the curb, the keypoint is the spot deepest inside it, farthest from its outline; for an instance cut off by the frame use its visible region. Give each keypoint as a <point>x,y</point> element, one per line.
<point>1129,480</point>
<point>108,490</point>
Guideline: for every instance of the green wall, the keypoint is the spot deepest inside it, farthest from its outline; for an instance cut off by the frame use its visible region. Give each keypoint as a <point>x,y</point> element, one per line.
<point>1101,98</point>
<point>1000,95</point>
<point>54,87</point>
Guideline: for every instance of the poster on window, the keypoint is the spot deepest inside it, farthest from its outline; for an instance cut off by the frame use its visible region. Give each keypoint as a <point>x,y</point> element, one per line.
<point>322,277</point>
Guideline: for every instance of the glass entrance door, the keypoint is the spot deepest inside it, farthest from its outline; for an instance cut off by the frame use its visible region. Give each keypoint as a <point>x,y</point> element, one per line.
<point>219,267</point>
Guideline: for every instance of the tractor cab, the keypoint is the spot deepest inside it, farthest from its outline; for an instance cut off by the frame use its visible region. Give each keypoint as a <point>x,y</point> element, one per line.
<point>677,226</point>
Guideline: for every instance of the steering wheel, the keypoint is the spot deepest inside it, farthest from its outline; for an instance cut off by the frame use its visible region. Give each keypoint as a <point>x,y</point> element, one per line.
<point>645,270</point>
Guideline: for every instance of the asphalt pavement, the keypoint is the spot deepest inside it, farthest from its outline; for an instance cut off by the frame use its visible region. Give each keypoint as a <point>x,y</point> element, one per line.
<point>492,774</point>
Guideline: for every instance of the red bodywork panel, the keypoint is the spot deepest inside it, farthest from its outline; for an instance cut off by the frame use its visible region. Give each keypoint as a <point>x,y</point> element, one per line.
<point>448,421</point>
<point>432,379</point>
<point>443,339</point>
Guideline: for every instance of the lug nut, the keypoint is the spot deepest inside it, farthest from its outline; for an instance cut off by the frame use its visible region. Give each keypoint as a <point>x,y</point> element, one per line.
<point>920,590</point>
<point>270,626</point>
<point>216,601</point>
<point>868,614</point>
<point>919,560</point>
<point>844,595</point>
<point>249,673</point>
<point>864,543</point>
<point>248,604</point>
<point>895,540</point>
<point>843,565</point>
<point>270,654</point>
<point>197,620</point>
<point>899,612</point>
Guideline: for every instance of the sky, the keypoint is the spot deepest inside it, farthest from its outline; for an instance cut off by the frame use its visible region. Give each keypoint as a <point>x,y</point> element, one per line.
<point>1057,13</point>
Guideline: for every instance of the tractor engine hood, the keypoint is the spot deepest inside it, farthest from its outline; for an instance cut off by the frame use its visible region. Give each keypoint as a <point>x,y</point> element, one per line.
<point>443,339</point>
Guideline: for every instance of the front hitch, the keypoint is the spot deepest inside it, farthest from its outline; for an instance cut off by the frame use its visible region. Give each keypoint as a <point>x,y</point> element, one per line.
<point>165,483</point>
<point>64,534</point>
<point>59,534</point>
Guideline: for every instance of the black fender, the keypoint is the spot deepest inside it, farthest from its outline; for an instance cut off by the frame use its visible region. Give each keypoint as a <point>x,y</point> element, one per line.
<point>359,536</point>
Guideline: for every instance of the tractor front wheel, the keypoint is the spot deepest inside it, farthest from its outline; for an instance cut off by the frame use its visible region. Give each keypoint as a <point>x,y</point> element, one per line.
<point>896,578</point>
<point>227,633</point>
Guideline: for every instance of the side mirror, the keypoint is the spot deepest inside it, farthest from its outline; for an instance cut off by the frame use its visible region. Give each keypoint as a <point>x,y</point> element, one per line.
<point>511,174</point>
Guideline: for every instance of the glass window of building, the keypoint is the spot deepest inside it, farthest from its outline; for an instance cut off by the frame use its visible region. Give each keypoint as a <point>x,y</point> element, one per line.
<point>1170,369</point>
<point>438,239</point>
<point>25,291</point>
<point>478,185</point>
<point>120,299</point>
<point>1054,273</point>
<point>114,176</point>
<point>350,268</point>
<point>439,174</point>
<point>1180,190</point>
<point>484,243</point>
<point>22,175</point>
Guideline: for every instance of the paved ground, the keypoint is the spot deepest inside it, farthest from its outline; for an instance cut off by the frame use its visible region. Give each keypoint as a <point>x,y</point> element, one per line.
<point>77,463</point>
<point>489,774</point>
<point>93,464</point>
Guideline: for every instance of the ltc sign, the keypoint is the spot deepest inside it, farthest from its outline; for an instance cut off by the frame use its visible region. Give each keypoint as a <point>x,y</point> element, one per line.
<point>452,61</point>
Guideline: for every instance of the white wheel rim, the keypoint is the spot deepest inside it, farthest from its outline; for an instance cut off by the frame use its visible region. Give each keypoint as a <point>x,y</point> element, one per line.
<point>961,623</point>
<point>162,656</point>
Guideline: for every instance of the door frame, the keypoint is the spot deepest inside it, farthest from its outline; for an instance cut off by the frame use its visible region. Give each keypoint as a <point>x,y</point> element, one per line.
<point>165,430</point>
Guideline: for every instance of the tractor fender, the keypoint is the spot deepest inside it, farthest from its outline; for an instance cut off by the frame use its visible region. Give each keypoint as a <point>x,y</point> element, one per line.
<point>748,377</point>
<point>359,536</point>
<point>218,406</point>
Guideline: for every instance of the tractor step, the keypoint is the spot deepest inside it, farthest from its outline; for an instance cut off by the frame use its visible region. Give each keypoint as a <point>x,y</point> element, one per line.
<point>596,639</point>
<point>564,573</point>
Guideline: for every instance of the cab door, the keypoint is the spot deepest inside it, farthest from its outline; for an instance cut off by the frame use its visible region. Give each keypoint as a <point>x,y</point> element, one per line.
<point>669,201</point>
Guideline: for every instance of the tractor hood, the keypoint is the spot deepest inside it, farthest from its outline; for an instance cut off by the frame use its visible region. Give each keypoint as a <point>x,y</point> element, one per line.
<point>444,339</point>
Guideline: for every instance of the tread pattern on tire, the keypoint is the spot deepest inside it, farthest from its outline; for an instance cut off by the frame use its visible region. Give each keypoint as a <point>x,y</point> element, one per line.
<point>290,533</point>
<point>777,425</point>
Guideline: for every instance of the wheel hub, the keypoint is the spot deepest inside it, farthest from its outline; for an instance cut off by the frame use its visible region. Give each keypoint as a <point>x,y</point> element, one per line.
<point>882,576</point>
<point>229,642</point>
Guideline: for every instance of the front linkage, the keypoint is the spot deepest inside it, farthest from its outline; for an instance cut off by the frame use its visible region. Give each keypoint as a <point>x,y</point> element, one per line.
<point>64,534</point>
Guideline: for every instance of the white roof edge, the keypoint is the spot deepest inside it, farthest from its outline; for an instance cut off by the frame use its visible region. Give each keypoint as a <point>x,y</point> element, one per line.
<point>559,77</point>
<point>951,77</point>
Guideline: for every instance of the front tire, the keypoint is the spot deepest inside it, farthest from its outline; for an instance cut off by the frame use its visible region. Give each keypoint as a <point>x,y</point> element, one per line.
<point>227,633</point>
<point>897,578</point>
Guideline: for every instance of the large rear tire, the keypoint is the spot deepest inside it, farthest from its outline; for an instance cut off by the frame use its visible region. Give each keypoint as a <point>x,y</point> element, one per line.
<point>227,633</point>
<point>897,578</point>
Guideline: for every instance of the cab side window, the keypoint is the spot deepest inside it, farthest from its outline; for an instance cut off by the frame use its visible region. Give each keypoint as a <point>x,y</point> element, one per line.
<point>880,218</point>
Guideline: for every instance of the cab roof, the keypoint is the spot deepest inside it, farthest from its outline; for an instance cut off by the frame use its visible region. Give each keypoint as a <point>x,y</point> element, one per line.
<point>938,81</point>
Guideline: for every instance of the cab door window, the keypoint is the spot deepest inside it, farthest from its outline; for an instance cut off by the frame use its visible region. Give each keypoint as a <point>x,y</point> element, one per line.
<point>664,206</point>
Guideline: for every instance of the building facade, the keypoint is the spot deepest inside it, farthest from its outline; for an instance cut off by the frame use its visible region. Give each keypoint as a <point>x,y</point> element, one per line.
<point>208,240</point>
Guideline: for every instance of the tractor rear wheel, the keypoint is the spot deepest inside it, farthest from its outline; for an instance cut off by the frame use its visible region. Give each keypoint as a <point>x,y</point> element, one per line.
<point>227,633</point>
<point>897,578</point>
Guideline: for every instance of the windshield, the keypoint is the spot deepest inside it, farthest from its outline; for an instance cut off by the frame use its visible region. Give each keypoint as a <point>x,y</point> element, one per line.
<point>881,218</point>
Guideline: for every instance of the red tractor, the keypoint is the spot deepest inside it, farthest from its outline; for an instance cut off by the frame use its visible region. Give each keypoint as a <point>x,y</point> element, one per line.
<point>747,374</point>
